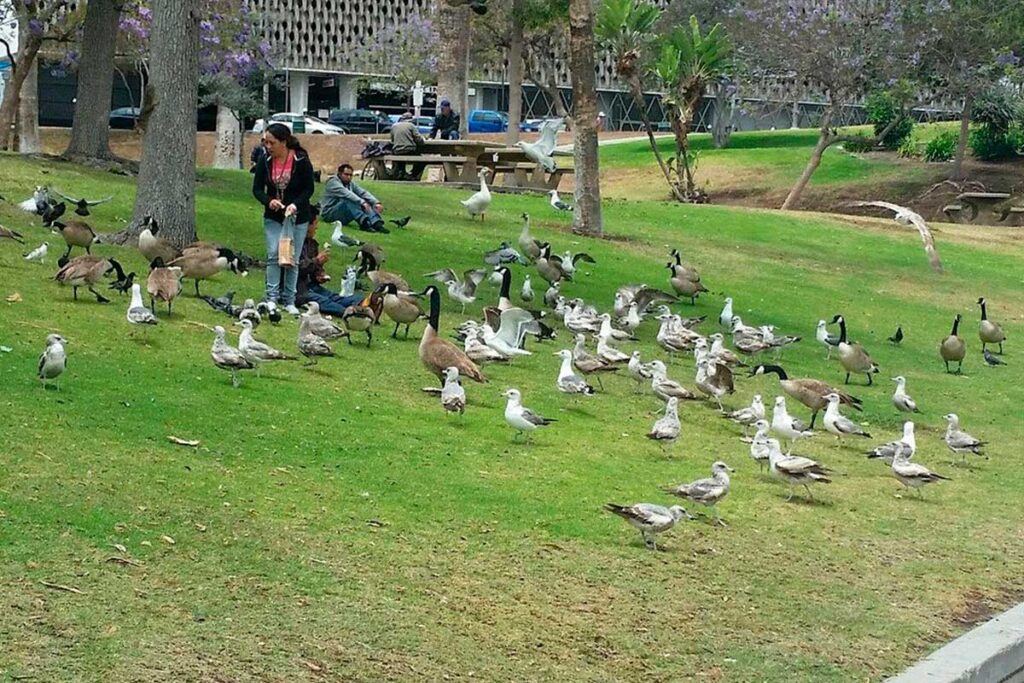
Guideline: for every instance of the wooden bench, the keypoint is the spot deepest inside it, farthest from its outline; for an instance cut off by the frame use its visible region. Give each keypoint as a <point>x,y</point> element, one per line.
<point>528,175</point>
<point>454,166</point>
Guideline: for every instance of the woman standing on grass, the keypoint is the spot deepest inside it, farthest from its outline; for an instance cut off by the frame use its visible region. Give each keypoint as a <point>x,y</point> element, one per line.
<point>283,184</point>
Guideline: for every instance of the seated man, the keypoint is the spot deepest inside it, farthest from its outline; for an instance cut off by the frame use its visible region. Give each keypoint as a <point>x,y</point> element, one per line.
<point>312,276</point>
<point>446,122</point>
<point>345,201</point>
<point>406,139</point>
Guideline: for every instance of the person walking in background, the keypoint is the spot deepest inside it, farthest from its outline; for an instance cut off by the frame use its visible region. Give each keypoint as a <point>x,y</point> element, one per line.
<point>257,156</point>
<point>283,184</point>
<point>343,200</point>
<point>446,122</point>
<point>312,275</point>
<point>406,139</point>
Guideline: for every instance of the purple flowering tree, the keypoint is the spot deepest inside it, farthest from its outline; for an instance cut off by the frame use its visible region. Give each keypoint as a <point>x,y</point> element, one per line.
<point>405,52</point>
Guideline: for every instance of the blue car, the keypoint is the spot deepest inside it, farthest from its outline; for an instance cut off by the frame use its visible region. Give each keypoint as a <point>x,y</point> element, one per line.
<point>487,121</point>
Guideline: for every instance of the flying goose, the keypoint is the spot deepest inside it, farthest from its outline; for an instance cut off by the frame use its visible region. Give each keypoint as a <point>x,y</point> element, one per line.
<point>540,152</point>
<point>809,392</point>
<point>138,314</point>
<point>853,357</point>
<point>453,396</point>
<point>255,351</point>
<point>53,361</point>
<point>786,426</point>
<point>531,247</point>
<point>38,254</point>
<point>707,492</point>
<point>368,266</point>
<point>521,418</point>
<point>953,347</point>
<point>202,263</point>
<point>649,519</point>
<point>86,271</point>
<point>913,475</point>
<point>830,341</point>
<point>227,357</point>
<point>901,399</point>
<point>639,371</point>
<point>796,470</point>
<point>749,416</point>
<point>438,354</point>
<point>477,204</point>
<point>82,205</point>
<point>154,247</point>
<point>6,233</point>
<point>838,424</point>
<point>761,444</point>
<point>556,203</point>
<point>959,441</point>
<point>667,427</point>
<point>904,447</point>
<point>989,331</point>
<point>402,308</point>
<point>665,388</point>
<point>569,382</point>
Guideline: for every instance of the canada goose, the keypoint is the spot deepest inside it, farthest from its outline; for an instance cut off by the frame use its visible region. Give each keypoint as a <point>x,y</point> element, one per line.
<point>681,270</point>
<point>202,263</point>
<point>521,418</point>
<point>477,204</point>
<point>989,331</point>
<point>227,357</point>
<point>373,250</point>
<point>153,247</point>
<point>453,396</point>
<point>684,286</point>
<point>86,271</point>
<point>649,519</point>
<point>53,360</point>
<point>436,353</point>
<point>368,266</point>
<point>530,246</point>
<point>707,492</point>
<point>810,392</point>
<point>550,267</point>
<point>853,357</point>
<point>404,309</point>
<point>8,234</point>
<point>796,470</point>
<point>76,234</point>
<point>953,347</point>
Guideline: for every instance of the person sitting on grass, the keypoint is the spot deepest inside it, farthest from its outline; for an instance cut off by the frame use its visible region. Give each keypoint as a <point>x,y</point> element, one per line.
<point>343,200</point>
<point>312,275</point>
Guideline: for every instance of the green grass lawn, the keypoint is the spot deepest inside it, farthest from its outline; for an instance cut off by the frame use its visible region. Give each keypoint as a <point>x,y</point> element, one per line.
<point>334,525</point>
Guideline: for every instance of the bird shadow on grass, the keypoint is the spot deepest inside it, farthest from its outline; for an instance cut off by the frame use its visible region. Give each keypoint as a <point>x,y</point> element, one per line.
<point>804,500</point>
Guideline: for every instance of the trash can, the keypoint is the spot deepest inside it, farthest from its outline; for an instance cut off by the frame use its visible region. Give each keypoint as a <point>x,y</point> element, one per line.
<point>299,126</point>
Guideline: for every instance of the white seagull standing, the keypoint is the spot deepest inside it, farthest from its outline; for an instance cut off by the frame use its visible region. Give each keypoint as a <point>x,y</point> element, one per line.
<point>786,426</point>
<point>254,350</point>
<point>340,239</point>
<point>639,371</point>
<point>556,202</point>
<point>649,519</point>
<point>526,294</point>
<point>707,492</point>
<point>904,447</point>
<point>912,475</point>
<point>227,357</point>
<point>138,314</point>
<point>53,361</point>
<point>796,470</point>
<point>569,382</point>
<point>839,424</point>
<point>761,444</point>
<point>830,341</point>
<point>959,441</point>
<point>725,317</point>
<point>901,399</point>
<point>477,204</point>
<point>749,416</point>
<point>666,429</point>
<point>453,396</point>
<point>521,418</point>
<point>38,254</point>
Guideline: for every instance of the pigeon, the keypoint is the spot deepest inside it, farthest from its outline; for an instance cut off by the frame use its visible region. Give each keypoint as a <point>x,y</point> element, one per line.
<point>649,519</point>
<point>82,205</point>
<point>401,222</point>
<point>708,492</point>
<point>453,396</point>
<point>227,357</point>
<point>6,233</point>
<point>991,359</point>
<point>521,418</point>
<point>897,336</point>
<point>504,254</point>
<point>138,314</point>
<point>557,203</point>
<point>38,254</point>
<point>124,285</point>
<point>53,361</point>
<point>223,303</point>
<point>540,151</point>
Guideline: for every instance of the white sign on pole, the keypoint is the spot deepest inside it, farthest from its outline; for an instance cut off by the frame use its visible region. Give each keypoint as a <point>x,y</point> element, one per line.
<point>417,96</point>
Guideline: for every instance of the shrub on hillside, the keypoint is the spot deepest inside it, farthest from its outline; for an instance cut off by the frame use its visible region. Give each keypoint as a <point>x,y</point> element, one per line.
<point>942,147</point>
<point>881,109</point>
<point>990,144</point>
<point>859,143</point>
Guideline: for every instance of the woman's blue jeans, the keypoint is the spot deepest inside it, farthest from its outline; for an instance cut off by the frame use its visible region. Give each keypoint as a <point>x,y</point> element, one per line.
<point>281,282</point>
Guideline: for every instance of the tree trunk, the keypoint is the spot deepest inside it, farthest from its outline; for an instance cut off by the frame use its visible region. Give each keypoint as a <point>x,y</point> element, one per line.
<point>515,75</point>
<point>961,144</point>
<point>167,173</point>
<point>721,129</point>
<point>587,217</point>
<point>12,94</point>
<point>90,130</point>
<point>28,112</point>
<point>824,140</point>
<point>453,58</point>
<point>228,152</point>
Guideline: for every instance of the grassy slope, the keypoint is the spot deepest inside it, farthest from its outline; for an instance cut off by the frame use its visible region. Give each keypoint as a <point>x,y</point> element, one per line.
<point>495,560</point>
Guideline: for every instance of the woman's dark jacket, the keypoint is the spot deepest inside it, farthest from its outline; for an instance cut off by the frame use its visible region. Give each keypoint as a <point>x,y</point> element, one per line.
<point>298,191</point>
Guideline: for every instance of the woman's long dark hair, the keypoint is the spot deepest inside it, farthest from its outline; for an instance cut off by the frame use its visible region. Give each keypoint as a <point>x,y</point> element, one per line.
<point>284,134</point>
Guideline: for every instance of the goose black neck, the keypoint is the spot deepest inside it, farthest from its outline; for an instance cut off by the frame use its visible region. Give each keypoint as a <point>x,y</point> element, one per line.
<point>435,309</point>
<point>984,314</point>
<point>679,261</point>
<point>506,284</point>
<point>369,262</point>
<point>956,325</point>
<point>777,369</point>
<point>842,331</point>
<point>117,269</point>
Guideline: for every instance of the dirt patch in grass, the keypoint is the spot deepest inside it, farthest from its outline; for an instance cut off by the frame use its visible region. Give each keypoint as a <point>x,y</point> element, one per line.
<point>978,607</point>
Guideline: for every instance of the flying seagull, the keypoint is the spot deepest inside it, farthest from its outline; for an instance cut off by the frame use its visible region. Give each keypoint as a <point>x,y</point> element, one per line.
<point>540,152</point>
<point>905,216</point>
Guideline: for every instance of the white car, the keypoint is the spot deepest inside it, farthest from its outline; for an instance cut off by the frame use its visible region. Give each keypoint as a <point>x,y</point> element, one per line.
<point>314,125</point>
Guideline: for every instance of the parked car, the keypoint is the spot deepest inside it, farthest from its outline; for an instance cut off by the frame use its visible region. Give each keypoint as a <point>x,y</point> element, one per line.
<point>531,125</point>
<point>308,124</point>
<point>124,117</point>
<point>487,121</point>
<point>424,124</point>
<point>360,120</point>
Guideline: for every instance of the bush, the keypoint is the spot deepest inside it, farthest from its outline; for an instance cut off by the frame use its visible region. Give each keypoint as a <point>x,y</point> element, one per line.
<point>881,109</point>
<point>990,144</point>
<point>910,148</point>
<point>942,147</point>
<point>859,143</point>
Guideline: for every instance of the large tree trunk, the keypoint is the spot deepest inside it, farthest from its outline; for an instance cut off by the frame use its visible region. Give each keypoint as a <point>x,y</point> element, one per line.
<point>587,217</point>
<point>25,60</point>
<point>453,29</point>
<point>228,152</point>
<point>961,144</point>
<point>515,75</point>
<point>824,140</point>
<point>28,112</point>
<point>721,129</point>
<point>167,173</point>
<point>90,130</point>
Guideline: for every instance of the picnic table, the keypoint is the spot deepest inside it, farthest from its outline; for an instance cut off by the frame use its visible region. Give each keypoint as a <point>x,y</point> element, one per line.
<point>521,172</point>
<point>971,204</point>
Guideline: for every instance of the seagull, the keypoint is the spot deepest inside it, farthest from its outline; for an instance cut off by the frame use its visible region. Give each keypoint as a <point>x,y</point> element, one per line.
<point>905,216</point>
<point>640,372</point>
<point>666,429</point>
<point>912,475</point>
<point>707,492</point>
<point>749,416</point>
<point>897,336</point>
<point>82,205</point>
<point>787,427</point>
<point>649,519</point>
<point>477,204</point>
<point>631,321</point>
<point>341,240</point>
<point>526,294</point>
<point>665,388</point>
<point>478,351</point>
<point>991,359</point>
<point>761,444</point>
<point>401,222</point>
<point>319,325</point>
<point>38,202</point>
<point>839,424</point>
<point>959,441</point>
<point>462,291</point>
<point>904,447</point>
<point>38,254</point>
<point>901,399</point>
<point>521,418</point>
<point>311,345</point>
<point>830,341</point>
<point>557,203</point>
<point>53,360</point>
<point>796,470</point>
<point>254,350</point>
<point>227,357</point>
<point>250,313</point>
<point>138,314</point>
<point>725,317</point>
<point>714,380</point>
<point>569,382</point>
<point>540,152</point>
<point>453,396</point>
<point>6,233</point>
